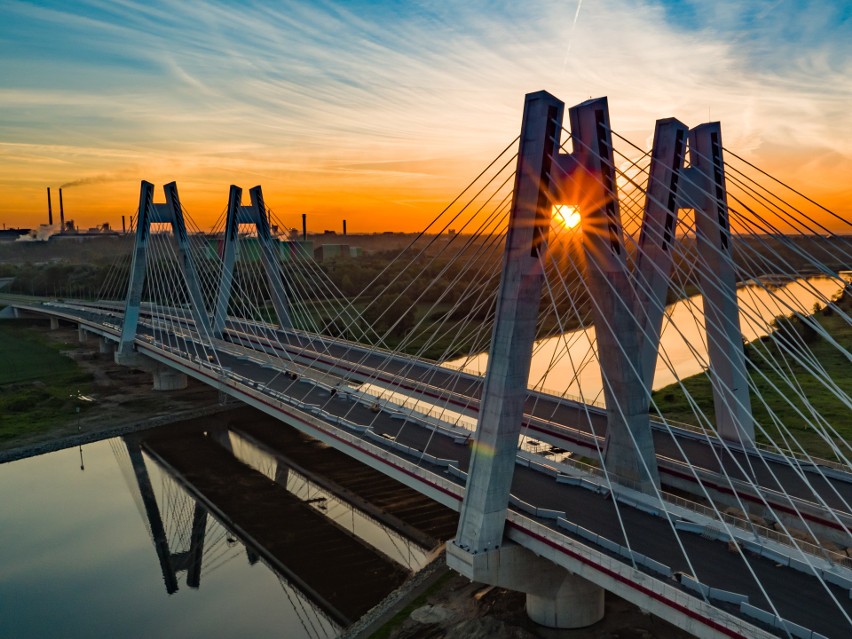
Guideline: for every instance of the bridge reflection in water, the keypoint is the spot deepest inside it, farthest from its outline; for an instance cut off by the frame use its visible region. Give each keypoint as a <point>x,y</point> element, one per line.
<point>334,560</point>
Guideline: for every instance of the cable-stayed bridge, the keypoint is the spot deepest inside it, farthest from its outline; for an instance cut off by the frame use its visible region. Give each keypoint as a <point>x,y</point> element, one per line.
<point>723,520</point>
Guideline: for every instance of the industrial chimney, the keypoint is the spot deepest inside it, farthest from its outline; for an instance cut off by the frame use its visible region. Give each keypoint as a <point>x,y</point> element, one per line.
<point>304,227</point>
<point>49,208</point>
<point>123,227</point>
<point>61,214</point>
<point>344,227</point>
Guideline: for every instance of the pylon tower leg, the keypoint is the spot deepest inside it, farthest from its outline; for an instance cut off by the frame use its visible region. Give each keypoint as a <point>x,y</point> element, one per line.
<point>479,551</point>
<point>718,282</point>
<point>629,453</point>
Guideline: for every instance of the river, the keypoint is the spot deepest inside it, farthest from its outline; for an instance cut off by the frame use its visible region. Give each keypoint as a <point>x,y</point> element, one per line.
<point>574,372</point>
<point>79,552</point>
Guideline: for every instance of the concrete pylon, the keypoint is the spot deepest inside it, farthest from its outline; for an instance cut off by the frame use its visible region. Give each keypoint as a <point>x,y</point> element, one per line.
<point>492,465</point>
<point>54,324</point>
<point>629,454</point>
<point>554,597</point>
<point>150,213</point>
<point>659,224</point>
<point>256,215</point>
<point>718,283</point>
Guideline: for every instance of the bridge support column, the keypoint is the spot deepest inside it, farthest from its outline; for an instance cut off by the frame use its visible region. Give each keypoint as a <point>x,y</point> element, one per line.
<point>54,324</point>
<point>629,453</point>
<point>221,435</point>
<point>718,283</point>
<point>105,346</point>
<point>167,379</point>
<point>282,473</point>
<point>483,513</point>
<point>82,335</point>
<point>556,598</point>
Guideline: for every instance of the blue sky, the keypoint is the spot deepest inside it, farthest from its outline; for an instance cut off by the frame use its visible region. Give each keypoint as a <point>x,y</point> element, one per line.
<point>393,104</point>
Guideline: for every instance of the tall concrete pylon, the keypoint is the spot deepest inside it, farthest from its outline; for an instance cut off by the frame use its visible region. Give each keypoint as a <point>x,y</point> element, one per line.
<point>505,389</point>
<point>150,213</point>
<point>554,597</point>
<point>657,236</point>
<point>591,186</point>
<point>256,215</point>
<point>718,283</point>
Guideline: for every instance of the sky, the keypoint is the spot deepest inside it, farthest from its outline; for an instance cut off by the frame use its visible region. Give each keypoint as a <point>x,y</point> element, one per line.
<point>381,112</point>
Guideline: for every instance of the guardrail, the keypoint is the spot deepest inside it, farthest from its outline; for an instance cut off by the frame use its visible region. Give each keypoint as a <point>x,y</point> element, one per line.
<point>807,547</point>
<point>522,526</point>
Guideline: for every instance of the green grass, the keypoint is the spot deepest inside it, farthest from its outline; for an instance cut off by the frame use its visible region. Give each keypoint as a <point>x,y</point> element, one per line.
<point>776,393</point>
<point>36,382</point>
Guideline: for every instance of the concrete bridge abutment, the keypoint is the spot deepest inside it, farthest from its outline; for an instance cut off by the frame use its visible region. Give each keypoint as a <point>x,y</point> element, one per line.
<point>164,378</point>
<point>556,598</point>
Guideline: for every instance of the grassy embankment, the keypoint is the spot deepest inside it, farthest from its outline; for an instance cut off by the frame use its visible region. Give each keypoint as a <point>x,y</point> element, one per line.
<point>777,393</point>
<point>38,385</point>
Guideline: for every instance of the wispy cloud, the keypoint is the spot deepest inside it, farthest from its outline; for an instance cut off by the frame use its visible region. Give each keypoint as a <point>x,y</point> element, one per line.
<point>295,91</point>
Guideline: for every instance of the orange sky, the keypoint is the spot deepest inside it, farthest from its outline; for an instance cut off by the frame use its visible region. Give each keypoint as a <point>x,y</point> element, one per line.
<point>381,114</point>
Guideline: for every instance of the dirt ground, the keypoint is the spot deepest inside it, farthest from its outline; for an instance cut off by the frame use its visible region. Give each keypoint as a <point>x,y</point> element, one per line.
<point>464,610</point>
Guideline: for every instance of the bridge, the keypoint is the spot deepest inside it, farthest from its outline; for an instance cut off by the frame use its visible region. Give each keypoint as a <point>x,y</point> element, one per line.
<point>723,524</point>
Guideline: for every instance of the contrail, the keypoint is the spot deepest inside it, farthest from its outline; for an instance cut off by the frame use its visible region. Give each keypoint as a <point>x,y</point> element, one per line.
<point>571,33</point>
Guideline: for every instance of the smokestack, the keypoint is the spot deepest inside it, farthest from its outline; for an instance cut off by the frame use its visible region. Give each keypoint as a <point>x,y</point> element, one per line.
<point>61,213</point>
<point>123,227</point>
<point>344,227</point>
<point>49,208</point>
<point>304,227</point>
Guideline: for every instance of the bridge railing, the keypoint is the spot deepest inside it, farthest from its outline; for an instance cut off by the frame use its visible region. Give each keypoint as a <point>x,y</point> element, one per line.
<point>834,557</point>
<point>593,560</point>
<point>810,548</point>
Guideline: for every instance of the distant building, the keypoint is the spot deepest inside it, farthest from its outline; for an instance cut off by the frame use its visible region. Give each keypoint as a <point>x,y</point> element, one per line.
<point>332,252</point>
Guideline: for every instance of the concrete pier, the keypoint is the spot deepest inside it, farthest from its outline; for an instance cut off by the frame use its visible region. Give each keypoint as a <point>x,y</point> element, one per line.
<point>164,378</point>
<point>82,335</point>
<point>54,324</point>
<point>556,598</point>
<point>105,347</point>
<point>167,379</point>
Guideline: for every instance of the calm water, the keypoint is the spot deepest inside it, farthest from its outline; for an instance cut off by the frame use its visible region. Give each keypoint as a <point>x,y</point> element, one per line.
<point>77,560</point>
<point>574,370</point>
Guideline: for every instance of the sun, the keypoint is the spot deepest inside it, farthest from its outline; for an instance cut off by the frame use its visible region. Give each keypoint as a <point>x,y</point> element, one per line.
<point>568,215</point>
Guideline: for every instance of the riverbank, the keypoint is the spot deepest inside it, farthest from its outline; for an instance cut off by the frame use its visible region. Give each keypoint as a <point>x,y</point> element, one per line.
<point>776,394</point>
<point>56,392</point>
